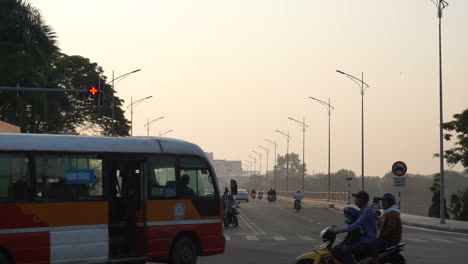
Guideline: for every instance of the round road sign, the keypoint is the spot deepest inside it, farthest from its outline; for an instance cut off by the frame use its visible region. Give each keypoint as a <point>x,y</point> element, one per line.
<point>399,168</point>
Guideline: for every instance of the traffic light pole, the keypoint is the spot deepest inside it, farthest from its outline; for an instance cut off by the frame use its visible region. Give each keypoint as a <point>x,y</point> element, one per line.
<point>50,90</point>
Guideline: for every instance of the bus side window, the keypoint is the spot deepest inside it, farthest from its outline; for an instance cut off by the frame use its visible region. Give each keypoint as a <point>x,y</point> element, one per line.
<point>200,181</point>
<point>68,178</point>
<point>14,178</point>
<point>162,180</point>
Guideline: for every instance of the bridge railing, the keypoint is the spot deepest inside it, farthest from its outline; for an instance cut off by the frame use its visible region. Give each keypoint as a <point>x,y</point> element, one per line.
<point>334,196</point>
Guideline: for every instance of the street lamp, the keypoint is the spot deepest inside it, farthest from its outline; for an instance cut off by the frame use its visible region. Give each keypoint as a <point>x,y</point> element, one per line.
<point>304,126</point>
<point>255,168</point>
<point>287,155</point>
<point>260,162</point>
<point>274,144</point>
<point>329,109</point>
<point>164,133</point>
<point>249,166</point>
<point>112,103</point>
<point>441,5</point>
<point>361,83</point>
<point>148,123</point>
<point>131,110</point>
<point>267,152</point>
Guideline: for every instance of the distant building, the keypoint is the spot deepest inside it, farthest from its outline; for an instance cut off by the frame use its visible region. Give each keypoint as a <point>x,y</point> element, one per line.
<point>225,168</point>
<point>9,128</point>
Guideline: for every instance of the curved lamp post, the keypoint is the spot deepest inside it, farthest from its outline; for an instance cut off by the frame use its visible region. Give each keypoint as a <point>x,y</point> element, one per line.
<point>131,110</point>
<point>329,109</point>
<point>112,103</point>
<point>267,152</point>
<point>165,133</point>
<point>287,155</point>
<point>274,169</point>
<point>441,5</point>
<point>363,87</point>
<point>149,123</point>
<point>304,126</point>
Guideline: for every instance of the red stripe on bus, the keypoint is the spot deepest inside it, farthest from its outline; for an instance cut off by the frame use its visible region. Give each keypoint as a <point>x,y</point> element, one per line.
<point>28,247</point>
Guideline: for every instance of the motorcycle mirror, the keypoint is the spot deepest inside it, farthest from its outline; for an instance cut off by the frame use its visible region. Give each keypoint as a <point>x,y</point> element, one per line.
<point>233,187</point>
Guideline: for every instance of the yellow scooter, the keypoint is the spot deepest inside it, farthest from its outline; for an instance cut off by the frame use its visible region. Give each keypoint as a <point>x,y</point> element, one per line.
<point>322,254</point>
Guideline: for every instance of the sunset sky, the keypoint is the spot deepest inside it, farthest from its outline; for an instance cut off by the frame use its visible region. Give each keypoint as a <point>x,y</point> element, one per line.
<point>226,74</point>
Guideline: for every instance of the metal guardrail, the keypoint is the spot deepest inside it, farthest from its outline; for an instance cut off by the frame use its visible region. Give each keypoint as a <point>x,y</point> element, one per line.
<point>334,196</point>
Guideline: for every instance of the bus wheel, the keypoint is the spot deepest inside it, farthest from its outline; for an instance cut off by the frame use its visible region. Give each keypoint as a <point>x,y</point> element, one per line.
<point>184,251</point>
<point>3,258</point>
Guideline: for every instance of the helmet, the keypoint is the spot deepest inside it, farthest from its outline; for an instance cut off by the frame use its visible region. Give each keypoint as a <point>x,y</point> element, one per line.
<point>352,212</point>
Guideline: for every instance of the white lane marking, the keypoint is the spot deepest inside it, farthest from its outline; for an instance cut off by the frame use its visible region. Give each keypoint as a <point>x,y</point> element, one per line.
<point>251,237</point>
<point>279,238</point>
<point>412,239</point>
<point>258,229</point>
<point>461,239</point>
<point>434,230</point>
<point>306,238</point>
<point>441,240</point>
<point>227,237</point>
<point>241,217</point>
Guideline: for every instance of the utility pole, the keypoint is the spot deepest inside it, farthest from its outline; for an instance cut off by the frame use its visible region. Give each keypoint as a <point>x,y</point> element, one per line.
<point>441,5</point>
<point>329,110</point>
<point>362,87</point>
<point>304,126</point>
<point>276,157</point>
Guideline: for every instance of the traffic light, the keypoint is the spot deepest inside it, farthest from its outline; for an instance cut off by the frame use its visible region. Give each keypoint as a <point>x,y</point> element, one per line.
<point>97,95</point>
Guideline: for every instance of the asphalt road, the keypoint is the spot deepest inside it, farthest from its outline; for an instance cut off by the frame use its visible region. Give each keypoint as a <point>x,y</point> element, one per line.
<point>273,233</point>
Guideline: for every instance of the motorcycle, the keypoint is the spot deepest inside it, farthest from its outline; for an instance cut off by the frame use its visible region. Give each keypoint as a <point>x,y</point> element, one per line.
<point>253,195</point>
<point>230,217</point>
<point>297,205</point>
<point>260,195</point>
<point>323,254</point>
<point>271,198</point>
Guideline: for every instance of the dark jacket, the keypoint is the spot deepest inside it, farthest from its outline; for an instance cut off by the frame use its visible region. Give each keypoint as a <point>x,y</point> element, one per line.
<point>353,236</point>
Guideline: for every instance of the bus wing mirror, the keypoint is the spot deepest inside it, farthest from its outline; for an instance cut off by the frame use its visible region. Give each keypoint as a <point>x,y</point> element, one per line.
<point>233,187</point>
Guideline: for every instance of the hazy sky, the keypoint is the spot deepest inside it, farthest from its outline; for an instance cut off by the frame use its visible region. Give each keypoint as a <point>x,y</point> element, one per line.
<point>226,74</point>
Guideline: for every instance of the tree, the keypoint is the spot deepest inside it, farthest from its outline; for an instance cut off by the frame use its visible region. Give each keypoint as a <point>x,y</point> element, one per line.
<point>455,206</point>
<point>79,113</point>
<point>294,172</point>
<point>434,209</point>
<point>458,128</point>
<point>30,58</point>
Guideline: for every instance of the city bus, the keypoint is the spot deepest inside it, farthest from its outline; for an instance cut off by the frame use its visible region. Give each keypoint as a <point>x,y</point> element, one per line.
<point>89,199</point>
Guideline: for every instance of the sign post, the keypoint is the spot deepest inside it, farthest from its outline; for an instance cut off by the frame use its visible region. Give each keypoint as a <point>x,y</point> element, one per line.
<point>349,179</point>
<point>399,169</point>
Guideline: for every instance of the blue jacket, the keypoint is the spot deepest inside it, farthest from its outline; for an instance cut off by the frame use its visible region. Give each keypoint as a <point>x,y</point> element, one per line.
<point>367,223</point>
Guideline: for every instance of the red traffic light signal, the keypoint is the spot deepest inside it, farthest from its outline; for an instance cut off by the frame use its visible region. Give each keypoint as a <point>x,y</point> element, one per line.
<point>93,90</point>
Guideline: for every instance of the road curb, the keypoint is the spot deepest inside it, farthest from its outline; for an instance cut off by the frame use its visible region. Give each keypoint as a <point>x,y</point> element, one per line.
<point>340,208</point>
<point>435,227</point>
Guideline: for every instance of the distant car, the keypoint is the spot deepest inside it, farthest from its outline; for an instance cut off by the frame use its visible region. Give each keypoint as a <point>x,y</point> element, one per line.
<point>242,195</point>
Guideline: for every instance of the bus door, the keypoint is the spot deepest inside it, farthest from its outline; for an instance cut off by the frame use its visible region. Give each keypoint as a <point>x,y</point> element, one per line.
<point>125,208</point>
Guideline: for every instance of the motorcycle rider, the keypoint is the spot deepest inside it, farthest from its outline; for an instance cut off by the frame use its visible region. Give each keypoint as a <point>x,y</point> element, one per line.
<point>231,211</point>
<point>366,222</point>
<point>391,230</point>
<point>297,197</point>
<point>350,216</point>
<point>270,192</point>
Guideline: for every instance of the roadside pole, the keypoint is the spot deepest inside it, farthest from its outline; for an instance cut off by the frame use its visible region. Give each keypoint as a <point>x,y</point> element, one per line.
<point>349,179</point>
<point>399,169</point>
